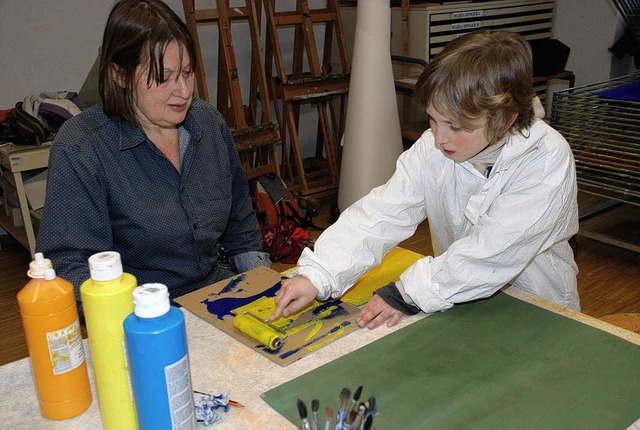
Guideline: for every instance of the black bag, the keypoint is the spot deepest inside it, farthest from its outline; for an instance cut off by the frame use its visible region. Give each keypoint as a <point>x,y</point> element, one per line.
<point>21,128</point>
<point>549,56</point>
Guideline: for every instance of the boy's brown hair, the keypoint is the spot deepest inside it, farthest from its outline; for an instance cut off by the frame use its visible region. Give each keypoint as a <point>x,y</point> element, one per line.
<point>482,77</point>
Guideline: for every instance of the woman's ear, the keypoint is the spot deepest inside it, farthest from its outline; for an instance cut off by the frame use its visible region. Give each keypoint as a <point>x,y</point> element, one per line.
<point>514,116</point>
<point>118,75</point>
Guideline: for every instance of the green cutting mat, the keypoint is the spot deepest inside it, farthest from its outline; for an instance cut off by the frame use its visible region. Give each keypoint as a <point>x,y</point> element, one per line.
<point>493,364</point>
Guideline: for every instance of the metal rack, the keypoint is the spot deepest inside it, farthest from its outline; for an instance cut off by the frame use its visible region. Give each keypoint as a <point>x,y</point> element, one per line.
<point>601,122</point>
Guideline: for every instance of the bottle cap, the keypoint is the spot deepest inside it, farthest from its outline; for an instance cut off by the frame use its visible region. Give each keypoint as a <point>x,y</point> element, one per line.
<point>105,266</point>
<point>49,274</point>
<point>38,266</point>
<point>151,300</point>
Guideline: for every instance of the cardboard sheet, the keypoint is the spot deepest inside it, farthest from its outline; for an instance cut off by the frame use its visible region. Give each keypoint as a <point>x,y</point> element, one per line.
<point>313,327</point>
<point>493,364</point>
<point>319,325</point>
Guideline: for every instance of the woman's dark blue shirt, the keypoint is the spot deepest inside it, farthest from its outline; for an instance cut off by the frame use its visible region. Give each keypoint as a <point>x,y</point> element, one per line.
<point>110,189</point>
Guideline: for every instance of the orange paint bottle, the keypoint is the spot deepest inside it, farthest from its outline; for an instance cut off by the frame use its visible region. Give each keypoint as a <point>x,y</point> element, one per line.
<point>52,330</point>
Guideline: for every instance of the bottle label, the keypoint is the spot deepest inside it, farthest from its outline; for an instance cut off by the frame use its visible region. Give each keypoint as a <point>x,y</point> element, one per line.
<point>126,365</point>
<point>180,395</point>
<point>65,348</point>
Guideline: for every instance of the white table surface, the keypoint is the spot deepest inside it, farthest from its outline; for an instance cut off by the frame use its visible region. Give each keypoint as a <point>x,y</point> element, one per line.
<point>220,363</point>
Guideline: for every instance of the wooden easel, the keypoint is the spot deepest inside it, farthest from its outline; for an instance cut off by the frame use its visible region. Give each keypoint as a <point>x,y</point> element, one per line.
<point>255,134</point>
<point>315,85</point>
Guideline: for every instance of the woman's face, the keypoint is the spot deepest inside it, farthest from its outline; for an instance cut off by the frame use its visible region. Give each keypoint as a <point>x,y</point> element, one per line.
<point>454,141</point>
<point>164,105</point>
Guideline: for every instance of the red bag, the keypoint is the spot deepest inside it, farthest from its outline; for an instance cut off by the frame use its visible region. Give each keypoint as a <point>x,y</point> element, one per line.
<point>282,222</point>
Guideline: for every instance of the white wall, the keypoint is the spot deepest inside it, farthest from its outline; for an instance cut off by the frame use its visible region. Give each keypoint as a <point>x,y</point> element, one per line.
<point>51,45</point>
<point>588,27</point>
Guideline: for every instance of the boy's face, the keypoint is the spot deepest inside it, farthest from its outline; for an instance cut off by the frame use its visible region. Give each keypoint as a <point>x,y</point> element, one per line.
<point>454,141</point>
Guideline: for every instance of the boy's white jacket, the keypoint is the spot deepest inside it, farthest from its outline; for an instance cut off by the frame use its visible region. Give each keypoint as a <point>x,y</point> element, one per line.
<point>510,228</point>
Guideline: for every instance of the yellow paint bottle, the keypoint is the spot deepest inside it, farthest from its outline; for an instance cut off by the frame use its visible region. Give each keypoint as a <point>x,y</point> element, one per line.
<point>107,300</point>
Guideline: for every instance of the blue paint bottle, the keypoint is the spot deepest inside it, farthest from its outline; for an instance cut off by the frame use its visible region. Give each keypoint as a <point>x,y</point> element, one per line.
<point>156,342</point>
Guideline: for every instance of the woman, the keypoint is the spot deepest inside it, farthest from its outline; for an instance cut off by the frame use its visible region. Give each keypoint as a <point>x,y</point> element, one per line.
<point>151,173</point>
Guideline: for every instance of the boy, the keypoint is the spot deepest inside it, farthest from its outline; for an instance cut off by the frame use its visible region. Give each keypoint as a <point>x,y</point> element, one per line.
<point>496,183</point>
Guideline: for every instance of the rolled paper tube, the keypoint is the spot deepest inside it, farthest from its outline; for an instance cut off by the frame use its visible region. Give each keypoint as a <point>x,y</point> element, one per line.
<point>372,139</point>
<point>262,331</point>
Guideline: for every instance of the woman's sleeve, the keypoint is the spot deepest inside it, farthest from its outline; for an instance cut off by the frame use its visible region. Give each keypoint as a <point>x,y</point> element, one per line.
<point>75,220</point>
<point>242,237</point>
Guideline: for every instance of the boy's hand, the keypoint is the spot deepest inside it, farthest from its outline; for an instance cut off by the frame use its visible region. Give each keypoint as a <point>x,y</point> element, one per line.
<point>295,294</point>
<point>377,311</point>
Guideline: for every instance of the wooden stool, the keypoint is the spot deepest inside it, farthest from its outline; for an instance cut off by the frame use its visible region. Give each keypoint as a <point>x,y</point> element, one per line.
<point>626,321</point>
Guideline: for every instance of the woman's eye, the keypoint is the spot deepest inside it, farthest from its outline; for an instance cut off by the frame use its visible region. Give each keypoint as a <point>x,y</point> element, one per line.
<point>456,128</point>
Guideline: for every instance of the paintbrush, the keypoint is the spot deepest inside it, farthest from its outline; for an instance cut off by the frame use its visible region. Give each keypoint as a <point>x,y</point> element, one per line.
<point>345,394</point>
<point>358,420</point>
<point>367,423</point>
<point>302,410</point>
<point>369,413</point>
<point>315,405</point>
<point>350,414</point>
<point>328,415</point>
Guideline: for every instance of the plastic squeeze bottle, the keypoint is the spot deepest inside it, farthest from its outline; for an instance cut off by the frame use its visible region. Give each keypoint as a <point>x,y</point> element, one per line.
<point>156,342</point>
<point>50,318</point>
<point>106,299</point>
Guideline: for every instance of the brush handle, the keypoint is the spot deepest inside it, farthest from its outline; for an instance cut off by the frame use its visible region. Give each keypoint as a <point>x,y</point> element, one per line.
<point>305,424</point>
<point>315,423</point>
<point>340,420</point>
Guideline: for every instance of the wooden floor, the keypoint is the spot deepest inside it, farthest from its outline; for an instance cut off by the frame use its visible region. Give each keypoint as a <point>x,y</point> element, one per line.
<point>608,282</point>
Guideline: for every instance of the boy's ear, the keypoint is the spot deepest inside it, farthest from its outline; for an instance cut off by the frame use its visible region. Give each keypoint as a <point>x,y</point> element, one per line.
<point>118,75</point>
<point>514,116</point>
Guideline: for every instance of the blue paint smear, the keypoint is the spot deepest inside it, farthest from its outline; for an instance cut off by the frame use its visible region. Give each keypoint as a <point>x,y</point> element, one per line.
<point>232,284</point>
<point>314,340</point>
<point>339,311</point>
<point>223,307</point>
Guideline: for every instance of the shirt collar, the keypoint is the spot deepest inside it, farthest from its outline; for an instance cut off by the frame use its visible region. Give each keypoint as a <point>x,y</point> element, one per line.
<point>131,135</point>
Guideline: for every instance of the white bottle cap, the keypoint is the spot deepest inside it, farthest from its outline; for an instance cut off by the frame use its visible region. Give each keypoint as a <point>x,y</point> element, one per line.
<point>151,300</point>
<point>49,274</point>
<point>38,266</point>
<point>105,266</point>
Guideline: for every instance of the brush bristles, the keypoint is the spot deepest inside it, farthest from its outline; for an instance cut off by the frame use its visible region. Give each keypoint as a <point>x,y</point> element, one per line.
<point>302,409</point>
<point>357,393</point>
<point>328,412</point>
<point>315,405</point>
<point>344,398</point>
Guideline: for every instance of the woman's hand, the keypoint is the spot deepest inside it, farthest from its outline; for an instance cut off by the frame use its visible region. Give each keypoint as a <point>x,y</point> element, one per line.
<point>295,294</point>
<point>377,311</point>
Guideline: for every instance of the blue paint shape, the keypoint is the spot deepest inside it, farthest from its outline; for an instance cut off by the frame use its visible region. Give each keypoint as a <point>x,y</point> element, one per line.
<point>232,284</point>
<point>339,311</point>
<point>223,306</point>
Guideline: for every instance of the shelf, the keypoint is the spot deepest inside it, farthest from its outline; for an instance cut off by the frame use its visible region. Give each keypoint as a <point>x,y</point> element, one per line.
<point>16,160</point>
